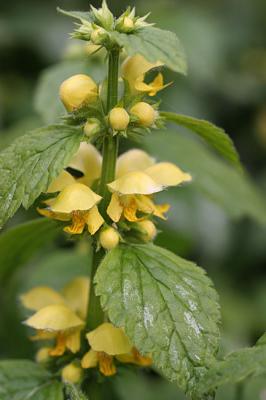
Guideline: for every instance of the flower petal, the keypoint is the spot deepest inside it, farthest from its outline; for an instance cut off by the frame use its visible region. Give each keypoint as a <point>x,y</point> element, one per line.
<point>136,182</point>
<point>167,174</point>
<point>73,341</point>
<point>94,220</point>
<point>76,294</point>
<point>89,161</point>
<point>90,359</point>
<point>146,205</point>
<point>40,297</point>
<point>78,223</point>
<point>106,364</point>
<point>115,209</point>
<point>151,88</point>
<point>54,318</point>
<point>53,215</point>
<point>134,357</point>
<point>133,160</point>
<point>75,197</point>
<point>109,339</point>
<point>62,181</point>
<point>136,67</point>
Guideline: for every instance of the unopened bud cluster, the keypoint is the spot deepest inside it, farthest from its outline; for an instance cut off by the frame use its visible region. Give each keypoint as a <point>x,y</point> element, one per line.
<point>102,23</point>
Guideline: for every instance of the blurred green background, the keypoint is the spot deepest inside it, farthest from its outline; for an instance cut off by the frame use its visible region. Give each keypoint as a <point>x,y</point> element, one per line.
<point>219,221</point>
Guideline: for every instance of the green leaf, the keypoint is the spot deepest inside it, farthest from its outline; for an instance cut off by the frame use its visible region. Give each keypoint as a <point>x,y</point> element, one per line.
<point>224,185</point>
<point>81,15</point>
<point>167,306</point>
<point>47,102</point>
<point>31,163</point>
<point>23,379</point>
<point>155,45</point>
<point>236,367</point>
<point>73,393</point>
<point>213,135</point>
<point>21,243</point>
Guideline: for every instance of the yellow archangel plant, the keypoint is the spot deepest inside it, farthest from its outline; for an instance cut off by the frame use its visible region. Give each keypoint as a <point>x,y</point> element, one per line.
<point>140,304</point>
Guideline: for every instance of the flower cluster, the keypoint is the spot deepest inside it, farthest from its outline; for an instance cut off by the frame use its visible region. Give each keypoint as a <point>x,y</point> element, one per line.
<point>110,206</point>
<point>74,194</point>
<point>59,318</point>
<point>138,178</point>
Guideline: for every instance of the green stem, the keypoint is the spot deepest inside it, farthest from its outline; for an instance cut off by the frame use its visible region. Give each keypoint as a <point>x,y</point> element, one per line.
<point>110,144</point>
<point>95,314</point>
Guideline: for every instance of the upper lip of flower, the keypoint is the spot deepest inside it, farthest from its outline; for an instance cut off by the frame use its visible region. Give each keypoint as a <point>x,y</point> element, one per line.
<point>73,296</point>
<point>75,197</point>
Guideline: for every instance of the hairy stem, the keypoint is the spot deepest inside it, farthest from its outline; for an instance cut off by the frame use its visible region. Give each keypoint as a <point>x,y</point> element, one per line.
<point>95,314</point>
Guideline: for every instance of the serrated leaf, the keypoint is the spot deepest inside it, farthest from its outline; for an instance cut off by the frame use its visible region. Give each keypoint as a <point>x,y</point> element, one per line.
<point>81,15</point>
<point>167,306</point>
<point>236,367</point>
<point>212,134</point>
<point>224,185</point>
<point>31,163</point>
<point>155,45</point>
<point>24,379</point>
<point>20,244</point>
<point>73,393</point>
<point>46,100</point>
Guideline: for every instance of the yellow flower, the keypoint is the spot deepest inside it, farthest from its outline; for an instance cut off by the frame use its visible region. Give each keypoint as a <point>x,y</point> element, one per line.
<point>109,238</point>
<point>148,228</point>
<point>107,342</point>
<point>63,180</point>
<point>134,70</point>
<point>153,87</point>
<point>133,160</point>
<point>119,119</point>
<point>43,355</point>
<point>88,161</point>
<point>145,113</point>
<point>72,373</point>
<point>91,127</point>
<point>77,91</point>
<point>58,316</point>
<point>76,203</point>
<point>133,189</point>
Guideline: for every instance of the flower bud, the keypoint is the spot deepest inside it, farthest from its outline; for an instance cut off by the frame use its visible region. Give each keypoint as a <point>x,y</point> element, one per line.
<point>43,355</point>
<point>99,36</point>
<point>109,238</point>
<point>119,119</point>
<point>126,24</point>
<point>148,229</point>
<point>72,373</point>
<point>103,16</point>
<point>77,91</point>
<point>92,127</point>
<point>145,113</point>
